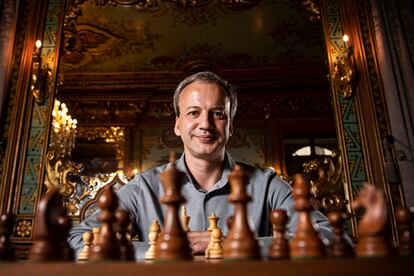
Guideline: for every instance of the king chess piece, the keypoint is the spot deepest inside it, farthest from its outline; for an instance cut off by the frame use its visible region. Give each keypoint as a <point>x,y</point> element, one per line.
<point>7,252</point>
<point>172,243</point>
<point>306,243</point>
<point>372,236</point>
<point>240,242</point>
<point>279,248</point>
<point>106,247</point>
<point>50,223</point>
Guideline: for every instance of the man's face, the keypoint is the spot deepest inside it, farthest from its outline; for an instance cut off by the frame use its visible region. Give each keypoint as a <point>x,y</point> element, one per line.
<point>204,121</point>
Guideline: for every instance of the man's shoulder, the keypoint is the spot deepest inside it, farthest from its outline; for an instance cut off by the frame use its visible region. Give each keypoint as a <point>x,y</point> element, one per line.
<point>261,174</point>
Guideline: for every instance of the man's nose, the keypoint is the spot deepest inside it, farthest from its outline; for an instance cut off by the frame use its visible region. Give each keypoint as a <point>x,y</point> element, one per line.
<point>206,120</point>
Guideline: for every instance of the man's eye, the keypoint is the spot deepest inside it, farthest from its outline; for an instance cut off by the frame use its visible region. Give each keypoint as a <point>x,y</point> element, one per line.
<point>193,113</point>
<point>218,115</point>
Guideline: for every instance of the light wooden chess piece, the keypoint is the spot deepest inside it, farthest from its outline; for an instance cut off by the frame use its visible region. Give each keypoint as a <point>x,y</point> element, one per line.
<point>96,232</point>
<point>87,238</point>
<point>153,234</point>
<point>240,242</point>
<point>279,248</point>
<point>306,243</point>
<point>404,219</point>
<point>372,237</point>
<point>173,243</point>
<point>213,219</point>
<point>185,220</point>
<point>107,247</point>
<point>216,250</point>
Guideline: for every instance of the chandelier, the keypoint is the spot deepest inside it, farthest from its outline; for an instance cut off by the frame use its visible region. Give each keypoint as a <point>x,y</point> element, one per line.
<point>63,135</point>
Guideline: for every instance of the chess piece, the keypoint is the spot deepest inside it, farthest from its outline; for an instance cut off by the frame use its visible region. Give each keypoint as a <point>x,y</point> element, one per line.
<point>65,226</point>
<point>229,222</point>
<point>216,250</point>
<point>404,220</point>
<point>372,238</point>
<point>213,219</point>
<point>87,238</point>
<point>96,232</point>
<point>125,245</point>
<point>172,243</point>
<point>48,228</point>
<point>106,247</point>
<point>339,247</point>
<point>306,243</point>
<point>7,252</point>
<point>184,218</point>
<point>240,243</point>
<point>279,248</point>
<point>153,234</point>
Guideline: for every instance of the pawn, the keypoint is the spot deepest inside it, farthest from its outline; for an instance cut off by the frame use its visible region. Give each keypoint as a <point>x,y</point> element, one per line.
<point>7,252</point>
<point>65,225</point>
<point>279,249</point>
<point>404,220</point>
<point>125,245</point>
<point>306,243</point>
<point>153,234</point>
<point>96,232</point>
<point>87,238</point>
<point>185,220</point>
<point>106,247</point>
<point>339,247</point>
<point>213,219</point>
<point>216,250</point>
<point>240,242</point>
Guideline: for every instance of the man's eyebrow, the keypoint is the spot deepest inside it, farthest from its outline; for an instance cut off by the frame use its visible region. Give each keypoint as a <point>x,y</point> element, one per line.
<point>191,107</point>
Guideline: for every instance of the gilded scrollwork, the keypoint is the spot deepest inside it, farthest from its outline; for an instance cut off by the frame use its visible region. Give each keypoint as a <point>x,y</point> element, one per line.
<point>325,176</point>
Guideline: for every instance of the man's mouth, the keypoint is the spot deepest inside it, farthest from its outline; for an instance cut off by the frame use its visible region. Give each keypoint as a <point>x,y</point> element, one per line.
<point>206,138</point>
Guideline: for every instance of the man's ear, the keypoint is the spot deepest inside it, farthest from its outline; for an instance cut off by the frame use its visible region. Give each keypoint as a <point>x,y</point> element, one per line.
<point>231,129</point>
<point>177,126</point>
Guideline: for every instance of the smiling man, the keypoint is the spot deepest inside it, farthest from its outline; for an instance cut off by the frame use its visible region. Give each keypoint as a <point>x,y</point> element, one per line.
<point>205,106</point>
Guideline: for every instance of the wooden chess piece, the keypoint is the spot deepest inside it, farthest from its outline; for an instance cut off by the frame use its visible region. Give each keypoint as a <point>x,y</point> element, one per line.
<point>106,247</point>
<point>216,250</point>
<point>153,234</point>
<point>87,238</point>
<point>213,219</point>
<point>240,242</point>
<point>229,222</point>
<point>48,240</point>
<point>404,219</point>
<point>279,248</point>
<point>96,232</point>
<point>372,237</point>
<point>7,252</point>
<point>185,220</point>
<point>65,225</point>
<point>125,246</point>
<point>339,247</point>
<point>306,243</point>
<point>173,243</point>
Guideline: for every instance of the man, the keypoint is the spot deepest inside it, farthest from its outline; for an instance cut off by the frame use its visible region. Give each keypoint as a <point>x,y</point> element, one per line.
<point>205,106</point>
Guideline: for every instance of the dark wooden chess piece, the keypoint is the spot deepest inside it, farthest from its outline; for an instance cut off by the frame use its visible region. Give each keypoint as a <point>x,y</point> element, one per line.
<point>125,245</point>
<point>172,243</point>
<point>339,247</point>
<point>7,252</point>
<point>65,225</point>
<point>279,248</point>
<point>106,247</point>
<point>229,222</point>
<point>48,228</point>
<point>306,243</point>
<point>240,242</point>
<point>404,219</point>
<point>372,237</point>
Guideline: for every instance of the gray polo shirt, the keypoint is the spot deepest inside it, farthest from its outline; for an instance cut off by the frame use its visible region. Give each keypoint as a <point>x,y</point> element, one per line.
<point>140,197</point>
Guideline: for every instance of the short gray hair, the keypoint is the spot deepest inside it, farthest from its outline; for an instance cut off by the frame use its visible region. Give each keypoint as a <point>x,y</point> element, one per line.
<point>207,77</point>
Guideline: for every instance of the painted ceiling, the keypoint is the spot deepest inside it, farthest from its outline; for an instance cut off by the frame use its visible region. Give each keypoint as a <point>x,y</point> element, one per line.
<point>131,38</point>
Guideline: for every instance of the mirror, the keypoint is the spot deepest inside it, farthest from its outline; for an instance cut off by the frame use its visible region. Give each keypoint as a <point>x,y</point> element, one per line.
<point>121,62</point>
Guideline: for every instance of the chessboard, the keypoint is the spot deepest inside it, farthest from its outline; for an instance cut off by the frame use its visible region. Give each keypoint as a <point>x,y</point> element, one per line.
<point>108,250</point>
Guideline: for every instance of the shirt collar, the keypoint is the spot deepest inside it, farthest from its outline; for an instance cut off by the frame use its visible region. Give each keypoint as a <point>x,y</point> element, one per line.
<point>228,167</point>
